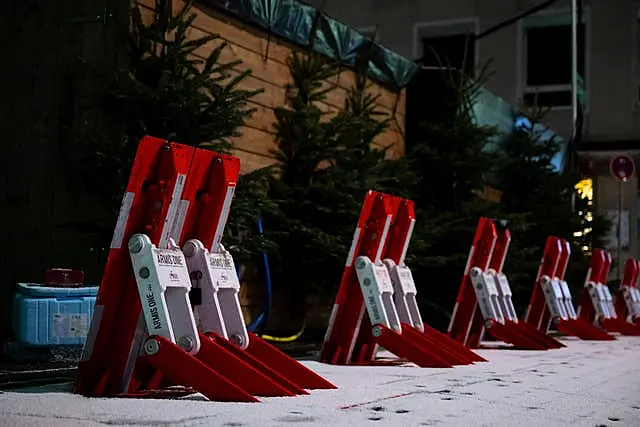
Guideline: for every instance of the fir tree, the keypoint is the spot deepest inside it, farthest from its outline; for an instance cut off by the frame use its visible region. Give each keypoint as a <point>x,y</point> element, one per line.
<point>169,90</point>
<point>326,167</point>
<point>534,188</point>
<point>454,165</point>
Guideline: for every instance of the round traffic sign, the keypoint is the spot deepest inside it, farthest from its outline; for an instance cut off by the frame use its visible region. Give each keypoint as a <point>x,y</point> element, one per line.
<point>622,167</point>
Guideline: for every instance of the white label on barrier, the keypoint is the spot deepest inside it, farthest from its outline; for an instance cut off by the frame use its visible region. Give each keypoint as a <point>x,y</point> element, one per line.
<point>70,325</point>
<point>557,289</point>
<point>490,284</point>
<point>123,217</point>
<point>221,260</point>
<point>172,267</point>
<point>223,271</point>
<point>383,279</point>
<point>406,279</point>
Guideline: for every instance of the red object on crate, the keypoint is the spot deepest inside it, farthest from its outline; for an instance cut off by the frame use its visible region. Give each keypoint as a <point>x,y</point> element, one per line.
<point>484,300</point>
<point>375,304</point>
<point>63,277</point>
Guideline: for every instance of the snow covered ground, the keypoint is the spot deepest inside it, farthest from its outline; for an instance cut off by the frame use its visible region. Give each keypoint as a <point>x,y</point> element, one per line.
<point>586,384</point>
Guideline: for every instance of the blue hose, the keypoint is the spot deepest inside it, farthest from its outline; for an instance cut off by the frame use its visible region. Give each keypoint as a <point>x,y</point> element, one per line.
<point>262,318</point>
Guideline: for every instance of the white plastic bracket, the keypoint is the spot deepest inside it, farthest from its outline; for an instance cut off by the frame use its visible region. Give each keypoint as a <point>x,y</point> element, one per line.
<point>404,294</point>
<point>631,296</point>
<point>220,309</point>
<point>608,300</point>
<point>568,300</point>
<point>505,294</point>
<point>598,300</point>
<point>487,294</point>
<point>552,289</point>
<point>163,285</point>
<point>377,290</point>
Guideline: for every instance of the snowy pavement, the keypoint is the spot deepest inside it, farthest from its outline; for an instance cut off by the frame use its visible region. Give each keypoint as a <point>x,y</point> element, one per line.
<point>586,384</point>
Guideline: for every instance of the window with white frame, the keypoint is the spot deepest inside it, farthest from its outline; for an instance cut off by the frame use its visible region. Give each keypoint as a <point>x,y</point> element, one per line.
<point>548,60</point>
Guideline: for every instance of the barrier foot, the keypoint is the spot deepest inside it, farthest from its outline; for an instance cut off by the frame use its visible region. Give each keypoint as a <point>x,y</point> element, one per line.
<point>289,367</point>
<point>404,347</point>
<point>435,346</point>
<point>453,344</point>
<point>538,336</point>
<point>238,371</point>
<point>512,335</point>
<point>257,364</point>
<point>583,330</point>
<point>182,368</point>
<point>621,326</point>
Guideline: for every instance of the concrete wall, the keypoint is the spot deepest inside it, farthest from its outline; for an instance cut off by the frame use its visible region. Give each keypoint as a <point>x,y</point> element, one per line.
<point>611,60</point>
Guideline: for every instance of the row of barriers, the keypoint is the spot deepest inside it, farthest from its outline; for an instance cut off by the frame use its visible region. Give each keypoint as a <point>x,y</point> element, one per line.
<point>376,302</point>
<point>168,320</point>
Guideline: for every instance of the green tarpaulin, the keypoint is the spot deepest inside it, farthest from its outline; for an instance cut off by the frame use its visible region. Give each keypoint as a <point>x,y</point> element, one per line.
<point>308,27</point>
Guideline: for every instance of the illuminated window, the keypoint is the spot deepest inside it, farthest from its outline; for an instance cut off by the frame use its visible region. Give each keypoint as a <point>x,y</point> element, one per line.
<point>584,190</point>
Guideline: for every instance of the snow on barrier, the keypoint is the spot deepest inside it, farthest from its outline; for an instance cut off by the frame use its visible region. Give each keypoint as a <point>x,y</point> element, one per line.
<point>376,301</point>
<point>484,301</point>
<point>628,298</point>
<point>168,315</point>
<point>551,301</point>
<point>596,302</point>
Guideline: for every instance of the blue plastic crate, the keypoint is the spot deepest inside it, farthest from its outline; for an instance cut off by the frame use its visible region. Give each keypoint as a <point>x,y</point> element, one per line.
<point>45,316</point>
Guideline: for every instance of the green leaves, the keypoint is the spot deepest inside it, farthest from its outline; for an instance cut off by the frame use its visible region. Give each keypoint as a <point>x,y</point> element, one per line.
<point>173,86</point>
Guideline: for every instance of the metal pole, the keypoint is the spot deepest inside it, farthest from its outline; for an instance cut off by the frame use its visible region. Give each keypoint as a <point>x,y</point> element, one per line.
<point>619,230</point>
<point>574,68</point>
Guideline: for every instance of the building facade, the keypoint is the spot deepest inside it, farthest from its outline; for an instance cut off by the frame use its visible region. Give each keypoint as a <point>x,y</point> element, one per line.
<point>530,62</point>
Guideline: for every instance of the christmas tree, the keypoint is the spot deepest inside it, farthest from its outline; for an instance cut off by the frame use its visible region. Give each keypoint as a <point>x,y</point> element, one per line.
<point>168,89</point>
<point>454,165</point>
<point>326,166</point>
<point>536,188</point>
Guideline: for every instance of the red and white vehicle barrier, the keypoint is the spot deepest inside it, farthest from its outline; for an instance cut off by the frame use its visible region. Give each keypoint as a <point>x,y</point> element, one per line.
<point>167,312</point>
<point>484,301</point>
<point>628,297</point>
<point>596,302</point>
<point>376,303</point>
<point>551,302</point>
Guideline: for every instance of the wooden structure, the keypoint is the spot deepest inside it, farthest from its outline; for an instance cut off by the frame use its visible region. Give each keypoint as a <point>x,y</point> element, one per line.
<point>266,58</point>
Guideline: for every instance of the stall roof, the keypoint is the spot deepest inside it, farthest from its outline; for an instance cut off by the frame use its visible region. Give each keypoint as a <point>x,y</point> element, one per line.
<point>297,22</point>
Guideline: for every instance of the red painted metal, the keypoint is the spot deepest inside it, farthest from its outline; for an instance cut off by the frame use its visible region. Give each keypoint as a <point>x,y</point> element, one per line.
<point>110,350</point>
<point>628,285</point>
<point>176,193</point>
<point>553,266</point>
<point>589,309</point>
<point>351,339</point>
<point>468,323</point>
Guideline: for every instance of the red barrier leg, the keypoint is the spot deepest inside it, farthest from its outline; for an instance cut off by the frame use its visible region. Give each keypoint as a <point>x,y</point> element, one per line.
<point>257,364</point>
<point>402,346</point>
<point>512,336</point>
<point>165,356</point>
<point>289,367</point>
